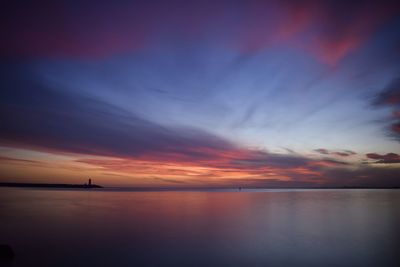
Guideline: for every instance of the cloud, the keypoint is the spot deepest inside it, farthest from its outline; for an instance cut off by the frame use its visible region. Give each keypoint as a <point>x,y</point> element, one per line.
<point>362,176</point>
<point>343,28</point>
<point>396,128</point>
<point>53,118</point>
<point>344,153</point>
<point>388,158</point>
<point>168,180</point>
<point>330,30</point>
<point>60,120</point>
<point>21,161</point>
<point>57,119</point>
<point>322,151</point>
<point>255,159</point>
<point>310,175</point>
<point>223,168</point>
<point>390,97</point>
<point>350,152</point>
<point>326,163</point>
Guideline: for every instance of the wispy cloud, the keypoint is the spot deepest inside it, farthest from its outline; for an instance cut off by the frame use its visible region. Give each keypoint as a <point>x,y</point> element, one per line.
<point>55,119</point>
<point>182,92</point>
<point>342,153</point>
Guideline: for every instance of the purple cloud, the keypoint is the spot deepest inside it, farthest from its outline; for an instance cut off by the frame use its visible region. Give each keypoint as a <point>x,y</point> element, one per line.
<point>388,158</point>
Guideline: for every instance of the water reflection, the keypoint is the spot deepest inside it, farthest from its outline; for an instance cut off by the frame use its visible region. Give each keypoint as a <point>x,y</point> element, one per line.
<point>283,228</point>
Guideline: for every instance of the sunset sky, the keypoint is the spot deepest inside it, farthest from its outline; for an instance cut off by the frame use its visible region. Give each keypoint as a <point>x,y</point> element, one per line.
<point>200,93</point>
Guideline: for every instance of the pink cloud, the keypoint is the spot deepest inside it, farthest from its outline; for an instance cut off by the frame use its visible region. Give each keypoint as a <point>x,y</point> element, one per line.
<point>342,28</point>
<point>54,29</point>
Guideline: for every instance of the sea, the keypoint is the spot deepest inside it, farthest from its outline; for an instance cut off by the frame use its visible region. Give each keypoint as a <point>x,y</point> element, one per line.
<point>121,227</point>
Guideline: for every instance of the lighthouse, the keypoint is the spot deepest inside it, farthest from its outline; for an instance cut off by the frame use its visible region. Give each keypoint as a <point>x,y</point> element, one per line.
<point>90,182</point>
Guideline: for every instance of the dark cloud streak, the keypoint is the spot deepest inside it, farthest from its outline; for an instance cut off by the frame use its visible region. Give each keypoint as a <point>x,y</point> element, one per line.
<point>387,159</point>
<point>390,97</point>
<point>344,153</point>
<point>36,114</point>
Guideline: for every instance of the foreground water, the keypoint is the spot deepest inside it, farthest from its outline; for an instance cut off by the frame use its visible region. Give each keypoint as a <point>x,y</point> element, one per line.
<point>258,228</point>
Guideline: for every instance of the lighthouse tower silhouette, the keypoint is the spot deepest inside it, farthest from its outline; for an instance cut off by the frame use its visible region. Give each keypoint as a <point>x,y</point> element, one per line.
<point>90,182</point>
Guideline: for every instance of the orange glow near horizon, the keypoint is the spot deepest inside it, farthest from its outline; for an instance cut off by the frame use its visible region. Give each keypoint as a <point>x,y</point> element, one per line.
<point>224,169</point>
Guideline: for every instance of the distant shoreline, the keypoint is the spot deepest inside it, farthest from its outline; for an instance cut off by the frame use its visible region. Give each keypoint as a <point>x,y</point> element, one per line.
<point>41,185</point>
<point>160,189</point>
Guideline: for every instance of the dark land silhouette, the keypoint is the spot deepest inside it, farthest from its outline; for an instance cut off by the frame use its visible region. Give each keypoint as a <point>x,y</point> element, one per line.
<point>44,185</point>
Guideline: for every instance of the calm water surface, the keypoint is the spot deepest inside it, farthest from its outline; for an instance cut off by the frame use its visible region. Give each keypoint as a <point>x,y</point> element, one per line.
<point>258,228</point>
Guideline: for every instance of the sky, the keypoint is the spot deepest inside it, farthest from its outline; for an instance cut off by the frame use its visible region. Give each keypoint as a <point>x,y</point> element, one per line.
<point>200,93</point>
